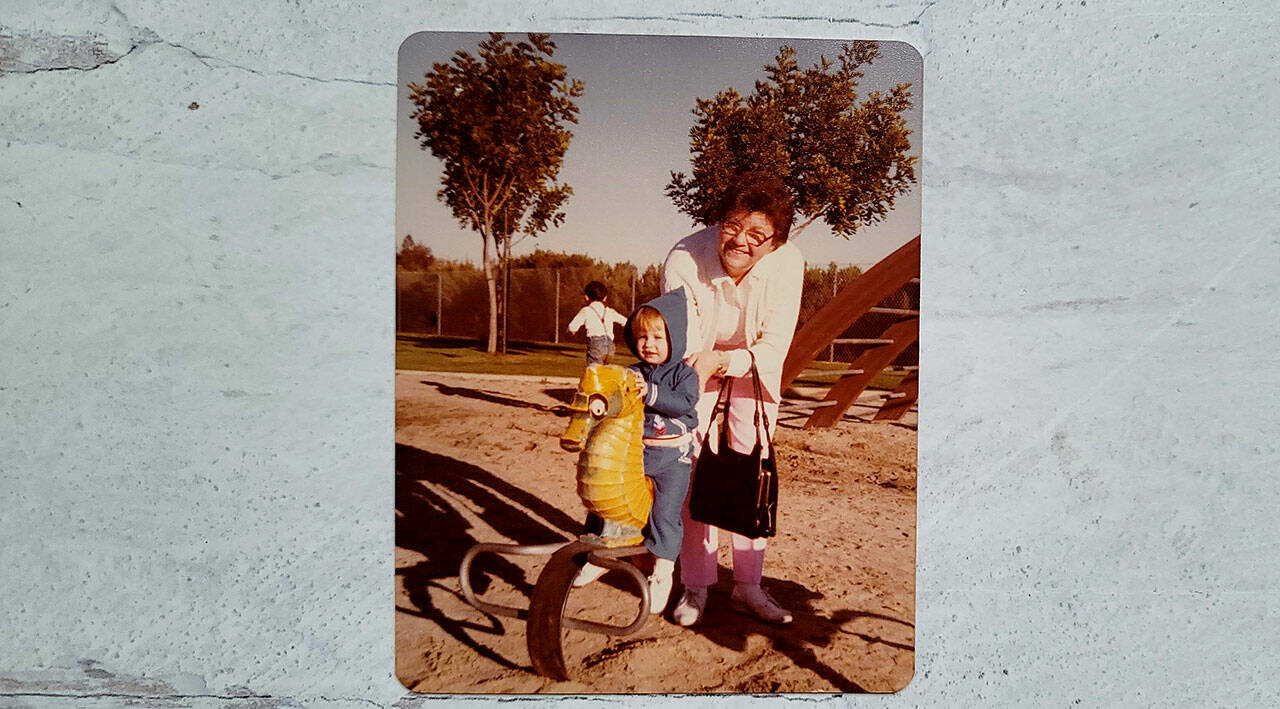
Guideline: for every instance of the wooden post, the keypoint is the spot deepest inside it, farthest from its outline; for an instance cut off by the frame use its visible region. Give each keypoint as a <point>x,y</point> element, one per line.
<point>439,301</point>
<point>555,335</point>
<point>633,298</point>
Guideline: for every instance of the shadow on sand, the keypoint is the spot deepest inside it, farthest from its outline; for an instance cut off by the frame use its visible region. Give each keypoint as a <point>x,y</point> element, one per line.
<point>564,396</point>
<point>431,491</point>
<point>448,390</point>
<point>798,640</point>
<point>430,488</point>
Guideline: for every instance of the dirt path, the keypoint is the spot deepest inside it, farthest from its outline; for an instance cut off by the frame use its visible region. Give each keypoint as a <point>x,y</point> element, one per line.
<point>478,459</point>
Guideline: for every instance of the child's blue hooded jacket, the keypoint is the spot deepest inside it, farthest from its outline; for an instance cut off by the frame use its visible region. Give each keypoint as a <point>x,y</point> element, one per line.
<point>669,406</point>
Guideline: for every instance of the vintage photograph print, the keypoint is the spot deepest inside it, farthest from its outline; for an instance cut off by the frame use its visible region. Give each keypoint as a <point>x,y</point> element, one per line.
<point>657,346</point>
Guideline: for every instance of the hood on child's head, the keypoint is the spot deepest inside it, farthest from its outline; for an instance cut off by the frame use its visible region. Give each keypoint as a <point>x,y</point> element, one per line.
<point>673,306</point>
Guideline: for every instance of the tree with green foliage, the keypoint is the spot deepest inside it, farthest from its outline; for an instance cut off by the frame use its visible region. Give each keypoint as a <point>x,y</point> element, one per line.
<point>497,122</point>
<point>541,258</point>
<point>413,256</point>
<point>844,160</point>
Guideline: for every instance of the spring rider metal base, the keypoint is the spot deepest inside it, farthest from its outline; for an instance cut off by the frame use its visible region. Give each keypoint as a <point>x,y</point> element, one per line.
<point>545,617</point>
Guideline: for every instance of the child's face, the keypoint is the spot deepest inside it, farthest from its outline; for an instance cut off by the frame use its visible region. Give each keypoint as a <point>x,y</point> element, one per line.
<point>652,345</point>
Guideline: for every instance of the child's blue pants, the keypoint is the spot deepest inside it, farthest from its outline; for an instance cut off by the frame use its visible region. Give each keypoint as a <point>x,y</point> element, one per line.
<point>669,469</point>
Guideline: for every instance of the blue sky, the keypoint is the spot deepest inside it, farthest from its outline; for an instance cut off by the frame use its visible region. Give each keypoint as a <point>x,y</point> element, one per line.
<point>633,131</point>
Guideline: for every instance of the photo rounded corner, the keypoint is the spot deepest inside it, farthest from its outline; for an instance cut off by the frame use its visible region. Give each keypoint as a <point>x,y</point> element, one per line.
<point>908,44</point>
<point>405,684</point>
<point>405,42</point>
<point>910,678</point>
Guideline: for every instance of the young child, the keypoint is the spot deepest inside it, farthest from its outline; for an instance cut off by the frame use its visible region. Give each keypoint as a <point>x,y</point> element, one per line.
<point>599,320</point>
<point>656,335</point>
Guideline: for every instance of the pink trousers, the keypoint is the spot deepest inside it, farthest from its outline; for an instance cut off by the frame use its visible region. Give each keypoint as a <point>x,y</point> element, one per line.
<point>701,545</point>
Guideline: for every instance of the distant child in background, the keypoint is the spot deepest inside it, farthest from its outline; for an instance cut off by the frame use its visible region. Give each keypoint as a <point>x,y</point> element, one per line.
<point>669,388</point>
<point>599,320</point>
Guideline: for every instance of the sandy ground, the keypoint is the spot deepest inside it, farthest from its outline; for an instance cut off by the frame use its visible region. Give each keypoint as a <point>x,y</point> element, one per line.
<point>478,460</point>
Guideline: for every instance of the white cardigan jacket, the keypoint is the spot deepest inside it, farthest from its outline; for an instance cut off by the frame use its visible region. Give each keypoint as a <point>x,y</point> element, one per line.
<point>773,289</point>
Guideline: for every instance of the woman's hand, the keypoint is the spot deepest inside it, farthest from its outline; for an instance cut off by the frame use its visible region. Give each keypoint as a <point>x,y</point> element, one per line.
<point>708,364</point>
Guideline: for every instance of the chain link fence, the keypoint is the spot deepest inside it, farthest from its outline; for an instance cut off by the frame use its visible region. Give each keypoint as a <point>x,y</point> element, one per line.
<point>544,300</point>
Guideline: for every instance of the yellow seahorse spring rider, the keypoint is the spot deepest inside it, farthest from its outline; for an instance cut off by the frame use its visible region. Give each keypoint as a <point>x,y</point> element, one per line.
<point>607,425</point>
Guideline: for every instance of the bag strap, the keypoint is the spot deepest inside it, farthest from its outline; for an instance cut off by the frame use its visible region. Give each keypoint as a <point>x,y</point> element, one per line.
<point>766,479</point>
<point>759,397</point>
<point>726,383</point>
<point>723,401</point>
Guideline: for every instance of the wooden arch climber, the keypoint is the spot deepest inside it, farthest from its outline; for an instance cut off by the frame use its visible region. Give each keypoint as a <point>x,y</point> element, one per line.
<point>855,300</point>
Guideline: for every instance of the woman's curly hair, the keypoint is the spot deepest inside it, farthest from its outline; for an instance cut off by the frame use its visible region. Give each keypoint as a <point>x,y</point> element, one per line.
<point>759,192</point>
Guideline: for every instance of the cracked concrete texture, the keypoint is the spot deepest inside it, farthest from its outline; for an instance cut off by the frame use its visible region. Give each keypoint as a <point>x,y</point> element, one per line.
<point>195,216</point>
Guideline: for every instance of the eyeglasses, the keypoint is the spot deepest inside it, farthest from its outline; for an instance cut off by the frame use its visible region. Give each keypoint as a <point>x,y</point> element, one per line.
<point>755,237</point>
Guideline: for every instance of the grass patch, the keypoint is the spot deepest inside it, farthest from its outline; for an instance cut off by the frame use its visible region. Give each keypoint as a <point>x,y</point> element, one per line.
<point>431,353</point>
<point>887,379</point>
<point>457,354</point>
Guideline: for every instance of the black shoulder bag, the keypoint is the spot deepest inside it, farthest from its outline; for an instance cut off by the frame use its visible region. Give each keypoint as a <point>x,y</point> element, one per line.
<point>732,490</point>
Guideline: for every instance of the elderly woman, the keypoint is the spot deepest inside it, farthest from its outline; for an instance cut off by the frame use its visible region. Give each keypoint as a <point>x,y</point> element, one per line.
<point>743,283</point>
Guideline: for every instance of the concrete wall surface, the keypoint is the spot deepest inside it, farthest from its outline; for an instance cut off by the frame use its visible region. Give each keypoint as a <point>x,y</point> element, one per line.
<point>196,223</point>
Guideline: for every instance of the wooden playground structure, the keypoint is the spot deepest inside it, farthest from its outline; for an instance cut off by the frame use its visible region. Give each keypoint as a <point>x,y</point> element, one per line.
<point>862,297</point>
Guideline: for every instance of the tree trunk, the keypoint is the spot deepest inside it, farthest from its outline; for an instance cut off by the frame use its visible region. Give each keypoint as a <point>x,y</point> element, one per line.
<point>505,262</point>
<point>490,280</point>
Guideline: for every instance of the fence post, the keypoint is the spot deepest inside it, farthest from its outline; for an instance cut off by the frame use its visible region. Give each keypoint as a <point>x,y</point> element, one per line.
<point>555,330</point>
<point>831,349</point>
<point>633,297</point>
<point>439,301</point>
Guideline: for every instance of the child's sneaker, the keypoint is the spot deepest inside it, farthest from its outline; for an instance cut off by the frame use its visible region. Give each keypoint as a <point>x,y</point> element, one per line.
<point>588,573</point>
<point>691,606</point>
<point>753,600</point>
<point>659,591</point>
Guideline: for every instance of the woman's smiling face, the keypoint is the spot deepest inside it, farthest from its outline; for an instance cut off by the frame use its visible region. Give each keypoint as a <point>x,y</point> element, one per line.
<point>745,237</point>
